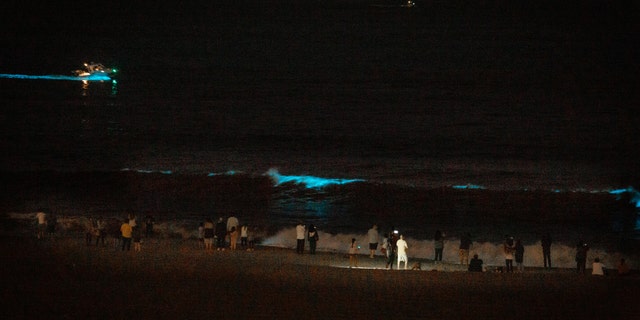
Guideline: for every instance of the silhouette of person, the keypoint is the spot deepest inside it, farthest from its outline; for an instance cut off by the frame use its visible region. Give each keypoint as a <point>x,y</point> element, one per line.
<point>221,234</point>
<point>581,256</point>
<point>438,239</point>
<point>519,255</point>
<point>390,249</point>
<point>509,248</point>
<point>475,265</point>
<point>313,239</point>
<point>465,245</point>
<point>546,250</point>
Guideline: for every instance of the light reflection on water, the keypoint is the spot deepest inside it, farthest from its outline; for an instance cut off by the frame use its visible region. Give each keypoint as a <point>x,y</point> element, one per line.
<point>94,77</point>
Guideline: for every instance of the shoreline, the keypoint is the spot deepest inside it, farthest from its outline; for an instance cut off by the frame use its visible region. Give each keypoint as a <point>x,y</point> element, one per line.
<point>172,278</point>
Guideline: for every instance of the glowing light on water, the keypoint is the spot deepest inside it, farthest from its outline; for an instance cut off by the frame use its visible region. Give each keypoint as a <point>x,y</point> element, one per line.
<point>93,77</point>
<point>468,186</point>
<point>633,193</point>
<point>310,182</point>
<point>634,196</point>
<point>114,87</point>
<point>228,173</point>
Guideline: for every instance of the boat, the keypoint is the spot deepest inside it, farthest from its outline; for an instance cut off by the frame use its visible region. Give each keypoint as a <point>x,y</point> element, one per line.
<point>92,70</point>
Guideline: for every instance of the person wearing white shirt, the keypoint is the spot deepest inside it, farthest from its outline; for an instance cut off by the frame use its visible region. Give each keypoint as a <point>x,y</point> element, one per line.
<point>243,236</point>
<point>402,252</point>
<point>300,232</point>
<point>373,240</point>
<point>232,222</point>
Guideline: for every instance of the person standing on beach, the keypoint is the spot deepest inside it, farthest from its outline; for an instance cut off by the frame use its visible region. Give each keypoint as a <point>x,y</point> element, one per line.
<point>390,248</point>
<point>519,250</point>
<point>300,232</point>
<point>438,239</point>
<point>232,222</point>
<point>402,252</point>
<point>149,221</point>
<point>508,248</point>
<point>132,221</point>
<point>221,234</point>
<point>100,231</point>
<point>52,222</point>
<point>137,239</point>
<point>89,230</point>
<point>465,246</point>
<point>243,236</point>
<point>42,223</point>
<point>353,253</point>
<point>127,232</point>
<point>581,256</point>
<point>233,238</point>
<point>313,239</point>
<point>114,230</point>
<point>207,233</point>
<point>546,250</point>
<point>373,240</point>
<point>251,238</point>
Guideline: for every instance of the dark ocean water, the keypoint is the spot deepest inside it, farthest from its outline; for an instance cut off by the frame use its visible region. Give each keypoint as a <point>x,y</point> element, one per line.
<point>502,99</point>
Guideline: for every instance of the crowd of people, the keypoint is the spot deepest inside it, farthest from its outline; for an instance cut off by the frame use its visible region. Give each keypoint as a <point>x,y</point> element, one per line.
<point>225,233</point>
<point>394,249</point>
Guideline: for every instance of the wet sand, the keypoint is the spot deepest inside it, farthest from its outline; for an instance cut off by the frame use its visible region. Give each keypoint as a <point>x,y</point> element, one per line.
<point>174,279</point>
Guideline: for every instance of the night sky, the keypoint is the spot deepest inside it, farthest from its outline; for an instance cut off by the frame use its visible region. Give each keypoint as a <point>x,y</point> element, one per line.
<point>573,61</point>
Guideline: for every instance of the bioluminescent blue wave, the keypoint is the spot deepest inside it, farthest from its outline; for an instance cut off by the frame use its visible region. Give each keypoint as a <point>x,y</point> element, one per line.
<point>468,186</point>
<point>633,193</point>
<point>93,77</point>
<point>310,182</point>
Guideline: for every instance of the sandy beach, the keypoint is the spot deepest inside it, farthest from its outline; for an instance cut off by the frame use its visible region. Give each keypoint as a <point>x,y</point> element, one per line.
<point>174,278</point>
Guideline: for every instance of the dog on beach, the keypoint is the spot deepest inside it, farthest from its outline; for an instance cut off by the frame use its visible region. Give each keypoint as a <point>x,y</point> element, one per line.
<point>416,266</point>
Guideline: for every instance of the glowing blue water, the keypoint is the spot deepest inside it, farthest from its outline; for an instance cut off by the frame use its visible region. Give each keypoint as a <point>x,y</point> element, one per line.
<point>92,77</point>
<point>310,182</point>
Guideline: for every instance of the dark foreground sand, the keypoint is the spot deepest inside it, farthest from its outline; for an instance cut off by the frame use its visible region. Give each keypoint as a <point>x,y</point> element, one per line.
<point>173,279</point>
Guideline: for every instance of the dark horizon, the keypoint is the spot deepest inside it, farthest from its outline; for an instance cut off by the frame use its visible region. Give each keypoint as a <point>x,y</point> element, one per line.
<point>535,84</point>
